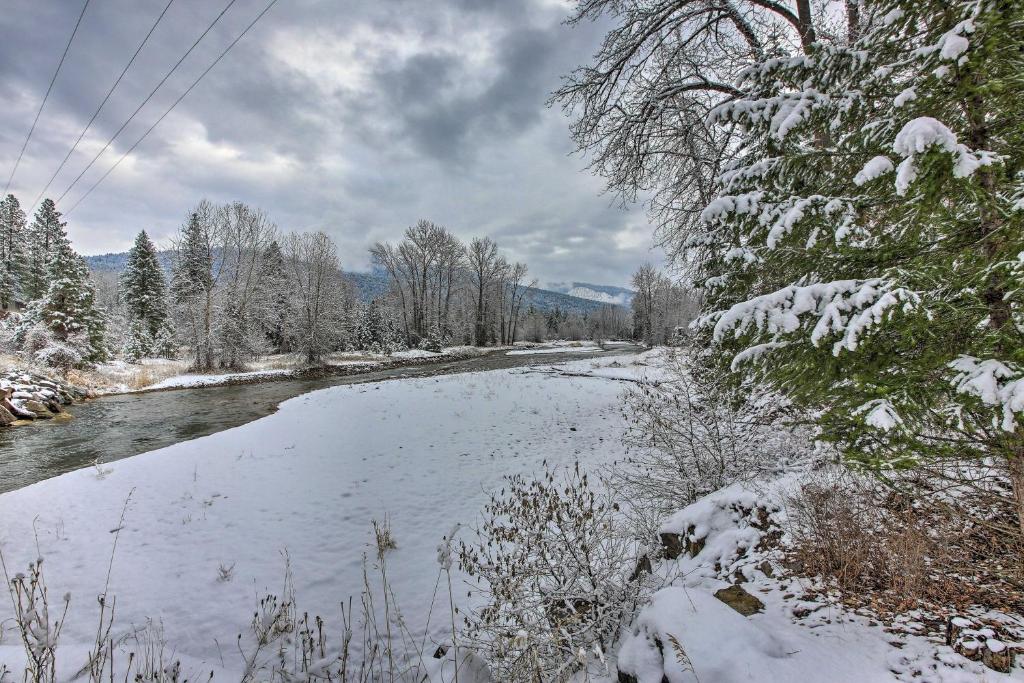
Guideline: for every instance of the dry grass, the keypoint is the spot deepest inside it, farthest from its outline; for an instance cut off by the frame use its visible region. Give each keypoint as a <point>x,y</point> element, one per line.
<point>383,537</point>
<point>895,551</point>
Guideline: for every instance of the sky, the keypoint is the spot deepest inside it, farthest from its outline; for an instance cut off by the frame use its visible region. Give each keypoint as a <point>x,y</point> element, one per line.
<point>355,117</point>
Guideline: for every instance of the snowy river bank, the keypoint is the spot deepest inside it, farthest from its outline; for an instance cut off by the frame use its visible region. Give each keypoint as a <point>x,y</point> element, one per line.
<point>118,426</point>
<point>308,479</point>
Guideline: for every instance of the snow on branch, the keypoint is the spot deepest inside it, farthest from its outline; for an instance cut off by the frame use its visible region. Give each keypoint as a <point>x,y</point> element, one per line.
<point>781,113</point>
<point>994,382</point>
<point>875,168</point>
<point>924,133</point>
<point>879,414</point>
<point>845,307</point>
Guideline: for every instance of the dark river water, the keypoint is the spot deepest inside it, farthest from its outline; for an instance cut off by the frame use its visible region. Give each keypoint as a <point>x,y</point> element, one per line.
<point>115,427</point>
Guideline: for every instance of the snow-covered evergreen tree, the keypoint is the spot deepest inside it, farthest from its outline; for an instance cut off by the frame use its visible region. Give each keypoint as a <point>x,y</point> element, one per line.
<point>68,308</point>
<point>144,294</point>
<point>865,249</point>
<point>12,250</point>
<point>44,236</point>
<point>192,285</point>
<point>275,294</point>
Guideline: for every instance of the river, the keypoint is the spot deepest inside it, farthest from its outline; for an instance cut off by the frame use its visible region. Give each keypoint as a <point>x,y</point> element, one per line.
<point>114,427</point>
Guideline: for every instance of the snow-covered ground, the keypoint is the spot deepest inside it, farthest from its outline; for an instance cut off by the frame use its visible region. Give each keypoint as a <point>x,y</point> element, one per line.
<point>558,347</point>
<point>423,453</point>
<point>793,637</point>
<point>307,480</point>
<point>183,381</point>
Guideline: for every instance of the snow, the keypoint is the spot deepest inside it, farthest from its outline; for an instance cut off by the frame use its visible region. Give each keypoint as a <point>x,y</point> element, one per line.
<point>994,382</point>
<point>685,634</point>
<point>185,381</point>
<point>307,479</point>
<point>603,297</point>
<point>558,348</point>
<point>875,168</point>
<point>879,414</point>
<point>905,96</point>
<point>924,132</point>
<point>415,353</point>
<point>845,307</point>
<point>921,133</point>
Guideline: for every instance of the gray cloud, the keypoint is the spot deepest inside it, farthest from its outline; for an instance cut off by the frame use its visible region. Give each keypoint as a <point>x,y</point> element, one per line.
<point>357,118</point>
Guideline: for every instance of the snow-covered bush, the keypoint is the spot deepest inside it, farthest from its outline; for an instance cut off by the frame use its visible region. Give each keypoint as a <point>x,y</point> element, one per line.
<point>33,337</point>
<point>555,567</point>
<point>59,355</point>
<point>694,434</point>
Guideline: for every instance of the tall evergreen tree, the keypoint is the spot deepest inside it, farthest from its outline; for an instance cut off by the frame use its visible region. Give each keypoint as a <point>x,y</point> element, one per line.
<point>276,297</point>
<point>12,250</point>
<point>144,288</point>
<point>68,308</point>
<point>865,250</point>
<point>45,235</point>
<point>192,284</point>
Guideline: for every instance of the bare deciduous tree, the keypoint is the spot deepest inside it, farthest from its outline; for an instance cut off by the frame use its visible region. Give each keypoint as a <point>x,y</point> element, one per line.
<point>313,270</point>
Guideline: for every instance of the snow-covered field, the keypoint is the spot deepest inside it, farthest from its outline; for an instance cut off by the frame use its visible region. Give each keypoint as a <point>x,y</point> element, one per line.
<point>307,480</point>
<point>208,523</point>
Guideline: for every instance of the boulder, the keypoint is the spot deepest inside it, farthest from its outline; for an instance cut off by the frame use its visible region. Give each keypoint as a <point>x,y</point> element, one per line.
<point>20,410</point>
<point>40,409</point>
<point>740,600</point>
<point>6,416</point>
<point>672,545</point>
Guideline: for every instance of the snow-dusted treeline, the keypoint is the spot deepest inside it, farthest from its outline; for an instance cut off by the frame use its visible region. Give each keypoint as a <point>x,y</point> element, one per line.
<point>447,290</point>
<point>662,308</point>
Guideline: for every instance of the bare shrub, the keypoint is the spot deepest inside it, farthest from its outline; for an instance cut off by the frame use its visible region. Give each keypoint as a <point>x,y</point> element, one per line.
<point>867,540</point>
<point>281,645</point>
<point>552,561</point>
<point>38,630</point>
<point>383,538</point>
<point>694,434</point>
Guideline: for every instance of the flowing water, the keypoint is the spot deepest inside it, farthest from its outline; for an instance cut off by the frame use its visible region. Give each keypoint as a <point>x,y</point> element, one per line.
<point>115,427</point>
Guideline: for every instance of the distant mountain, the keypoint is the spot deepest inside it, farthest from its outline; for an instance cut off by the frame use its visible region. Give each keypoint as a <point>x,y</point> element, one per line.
<point>372,285</point>
<point>605,294</point>
<point>114,263</point>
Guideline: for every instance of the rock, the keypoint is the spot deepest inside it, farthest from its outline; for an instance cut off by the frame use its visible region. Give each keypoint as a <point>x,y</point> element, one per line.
<point>441,651</point>
<point>740,600</point>
<point>672,544</point>
<point>6,416</point>
<point>766,569</point>
<point>643,566</point>
<point>624,677</point>
<point>41,411</point>
<point>20,411</point>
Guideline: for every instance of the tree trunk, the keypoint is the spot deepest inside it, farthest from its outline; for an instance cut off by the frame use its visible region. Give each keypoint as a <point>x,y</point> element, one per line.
<point>1015,467</point>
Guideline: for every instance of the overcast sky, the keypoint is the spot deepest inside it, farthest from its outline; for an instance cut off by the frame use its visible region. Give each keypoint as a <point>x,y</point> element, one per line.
<point>355,117</point>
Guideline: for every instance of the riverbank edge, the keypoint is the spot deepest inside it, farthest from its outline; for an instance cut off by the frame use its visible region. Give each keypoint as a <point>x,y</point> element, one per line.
<point>315,372</point>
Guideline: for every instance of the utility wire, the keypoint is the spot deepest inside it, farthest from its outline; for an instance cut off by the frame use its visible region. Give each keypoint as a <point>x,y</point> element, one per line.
<point>148,98</point>
<point>102,104</point>
<point>180,98</point>
<point>42,104</point>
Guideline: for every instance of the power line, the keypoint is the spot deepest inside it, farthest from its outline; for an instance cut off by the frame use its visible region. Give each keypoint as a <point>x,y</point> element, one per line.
<point>42,104</point>
<point>148,98</point>
<point>102,104</point>
<point>175,104</point>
